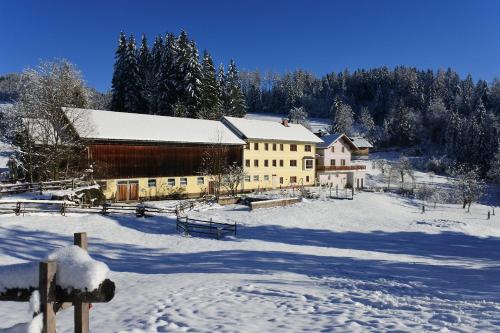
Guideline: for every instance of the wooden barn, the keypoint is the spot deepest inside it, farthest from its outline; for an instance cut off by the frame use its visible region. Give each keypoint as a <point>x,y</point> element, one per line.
<point>136,156</point>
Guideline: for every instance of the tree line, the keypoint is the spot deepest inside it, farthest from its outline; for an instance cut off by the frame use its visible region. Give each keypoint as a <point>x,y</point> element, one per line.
<point>436,111</point>
<point>169,79</point>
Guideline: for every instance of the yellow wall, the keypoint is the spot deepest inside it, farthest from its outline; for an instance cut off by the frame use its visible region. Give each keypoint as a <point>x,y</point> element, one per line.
<point>162,189</point>
<point>286,171</point>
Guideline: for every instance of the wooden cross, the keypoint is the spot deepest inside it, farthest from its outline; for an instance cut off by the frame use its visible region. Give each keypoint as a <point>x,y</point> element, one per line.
<point>53,298</point>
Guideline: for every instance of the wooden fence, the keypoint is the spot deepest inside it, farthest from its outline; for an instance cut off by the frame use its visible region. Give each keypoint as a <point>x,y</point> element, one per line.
<point>42,186</point>
<point>54,298</point>
<point>192,227</point>
<point>20,207</point>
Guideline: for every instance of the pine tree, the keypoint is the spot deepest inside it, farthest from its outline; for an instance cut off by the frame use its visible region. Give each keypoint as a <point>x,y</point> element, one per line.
<point>118,83</point>
<point>210,106</point>
<point>167,76</point>
<point>343,117</point>
<point>145,74</point>
<point>193,78</point>
<point>236,99</point>
<point>133,98</point>
<point>223,95</point>
<point>156,59</point>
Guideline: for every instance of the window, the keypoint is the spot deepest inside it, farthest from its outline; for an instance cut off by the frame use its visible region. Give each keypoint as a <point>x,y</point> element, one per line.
<point>256,178</point>
<point>184,181</point>
<point>333,149</point>
<point>281,147</point>
<point>266,146</point>
<point>247,178</point>
<point>247,145</point>
<point>281,180</point>
<point>281,163</point>
<point>256,146</point>
<point>343,149</point>
<point>274,163</point>
<point>307,147</point>
<point>309,164</point>
<point>274,146</point>
<point>256,163</point>
<point>103,185</point>
<point>151,182</point>
<point>342,162</point>
<point>332,162</point>
<point>293,163</point>
<point>247,163</point>
<point>307,179</point>
<point>266,177</point>
<point>266,163</point>
<point>200,180</point>
<point>293,147</point>
<point>293,180</point>
<point>171,182</point>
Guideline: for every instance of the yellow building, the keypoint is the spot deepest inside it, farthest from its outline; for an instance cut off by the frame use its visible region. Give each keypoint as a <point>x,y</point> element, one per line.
<point>276,155</point>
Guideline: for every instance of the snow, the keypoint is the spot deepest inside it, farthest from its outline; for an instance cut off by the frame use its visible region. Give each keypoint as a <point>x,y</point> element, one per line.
<point>109,125</point>
<point>76,269</point>
<point>270,130</point>
<point>6,150</point>
<point>316,124</point>
<point>373,264</point>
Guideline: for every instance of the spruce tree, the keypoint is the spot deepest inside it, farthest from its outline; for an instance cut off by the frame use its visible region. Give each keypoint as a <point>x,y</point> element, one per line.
<point>156,58</point>
<point>210,106</point>
<point>145,75</point>
<point>223,95</point>
<point>343,117</point>
<point>133,98</point>
<point>118,82</point>
<point>236,99</point>
<point>193,81</point>
<point>168,77</point>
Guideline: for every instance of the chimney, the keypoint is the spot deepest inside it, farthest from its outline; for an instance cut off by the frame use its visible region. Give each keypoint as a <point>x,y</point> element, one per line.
<point>284,122</point>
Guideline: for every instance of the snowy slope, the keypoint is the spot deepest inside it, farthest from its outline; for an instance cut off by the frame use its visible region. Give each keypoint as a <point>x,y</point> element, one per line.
<point>372,264</point>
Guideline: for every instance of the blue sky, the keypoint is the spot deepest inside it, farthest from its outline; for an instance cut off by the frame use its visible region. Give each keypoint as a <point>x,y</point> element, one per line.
<point>319,36</point>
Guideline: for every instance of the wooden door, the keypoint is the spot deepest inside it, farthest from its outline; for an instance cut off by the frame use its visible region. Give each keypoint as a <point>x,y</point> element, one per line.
<point>122,192</point>
<point>211,187</point>
<point>133,189</point>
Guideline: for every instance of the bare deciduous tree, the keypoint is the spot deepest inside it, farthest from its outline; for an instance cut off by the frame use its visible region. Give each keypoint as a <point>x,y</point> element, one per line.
<point>468,185</point>
<point>234,176</point>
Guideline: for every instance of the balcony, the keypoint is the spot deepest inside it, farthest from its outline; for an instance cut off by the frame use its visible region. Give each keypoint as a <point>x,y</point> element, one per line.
<point>340,167</point>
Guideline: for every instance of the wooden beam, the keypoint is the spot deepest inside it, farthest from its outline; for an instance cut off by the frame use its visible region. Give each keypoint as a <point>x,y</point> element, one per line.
<point>103,294</point>
<point>81,307</point>
<point>47,288</point>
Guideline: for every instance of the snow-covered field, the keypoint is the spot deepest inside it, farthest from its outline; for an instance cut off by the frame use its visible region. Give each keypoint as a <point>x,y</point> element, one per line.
<point>374,264</point>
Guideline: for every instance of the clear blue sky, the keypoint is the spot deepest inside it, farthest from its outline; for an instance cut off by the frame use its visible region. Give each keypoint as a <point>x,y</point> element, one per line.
<point>320,36</point>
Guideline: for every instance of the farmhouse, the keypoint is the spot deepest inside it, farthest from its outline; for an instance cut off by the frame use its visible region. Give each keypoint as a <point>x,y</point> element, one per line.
<point>334,165</point>
<point>276,155</point>
<point>362,146</point>
<point>142,156</point>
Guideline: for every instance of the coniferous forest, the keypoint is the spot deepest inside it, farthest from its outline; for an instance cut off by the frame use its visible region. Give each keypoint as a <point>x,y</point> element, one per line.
<point>439,112</point>
<point>168,78</point>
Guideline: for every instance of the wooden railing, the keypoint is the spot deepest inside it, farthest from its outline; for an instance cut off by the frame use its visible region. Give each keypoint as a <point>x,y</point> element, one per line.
<point>340,167</point>
<point>191,227</point>
<point>42,186</point>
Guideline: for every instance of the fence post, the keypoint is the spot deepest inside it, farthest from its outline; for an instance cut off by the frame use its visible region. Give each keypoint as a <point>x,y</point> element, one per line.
<point>81,309</point>
<point>423,208</point>
<point>47,288</point>
<point>488,215</point>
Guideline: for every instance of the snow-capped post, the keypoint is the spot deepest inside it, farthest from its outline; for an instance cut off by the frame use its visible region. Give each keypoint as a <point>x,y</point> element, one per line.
<point>493,208</point>
<point>488,215</point>
<point>423,209</point>
<point>81,308</point>
<point>47,288</point>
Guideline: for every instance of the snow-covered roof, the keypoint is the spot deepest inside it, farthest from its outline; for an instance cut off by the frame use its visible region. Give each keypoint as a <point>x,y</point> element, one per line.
<point>316,124</point>
<point>361,142</point>
<point>270,130</point>
<point>121,126</point>
<point>330,139</point>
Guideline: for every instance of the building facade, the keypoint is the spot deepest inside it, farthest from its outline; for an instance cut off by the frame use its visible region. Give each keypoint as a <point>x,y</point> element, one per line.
<point>334,164</point>
<point>276,155</point>
<point>137,156</point>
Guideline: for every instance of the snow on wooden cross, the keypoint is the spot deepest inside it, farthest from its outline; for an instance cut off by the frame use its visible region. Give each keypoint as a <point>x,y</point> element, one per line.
<point>70,277</point>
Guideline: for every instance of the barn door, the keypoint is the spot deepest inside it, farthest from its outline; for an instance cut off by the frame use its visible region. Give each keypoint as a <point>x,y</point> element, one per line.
<point>122,191</point>
<point>133,193</point>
